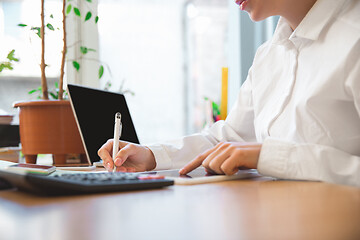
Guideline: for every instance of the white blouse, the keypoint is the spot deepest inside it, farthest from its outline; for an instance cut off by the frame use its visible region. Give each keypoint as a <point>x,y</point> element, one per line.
<point>301,100</point>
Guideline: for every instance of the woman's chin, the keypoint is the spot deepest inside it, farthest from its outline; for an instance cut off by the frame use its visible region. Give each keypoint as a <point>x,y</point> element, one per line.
<point>256,17</point>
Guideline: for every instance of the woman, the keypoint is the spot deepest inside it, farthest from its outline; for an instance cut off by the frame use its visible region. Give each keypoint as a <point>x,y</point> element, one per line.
<point>297,115</point>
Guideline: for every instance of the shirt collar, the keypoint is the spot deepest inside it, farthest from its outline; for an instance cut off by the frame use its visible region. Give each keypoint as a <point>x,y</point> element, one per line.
<point>282,32</point>
<point>317,18</point>
<point>312,24</point>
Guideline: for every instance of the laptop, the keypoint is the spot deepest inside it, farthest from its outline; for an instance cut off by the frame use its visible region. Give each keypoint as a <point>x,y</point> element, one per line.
<point>94,111</point>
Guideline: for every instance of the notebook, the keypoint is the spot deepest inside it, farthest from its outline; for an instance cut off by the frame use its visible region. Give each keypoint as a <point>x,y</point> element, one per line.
<point>94,111</point>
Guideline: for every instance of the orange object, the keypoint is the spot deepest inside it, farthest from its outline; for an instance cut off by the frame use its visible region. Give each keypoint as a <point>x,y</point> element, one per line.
<point>49,127</point>
<point>224,93</point>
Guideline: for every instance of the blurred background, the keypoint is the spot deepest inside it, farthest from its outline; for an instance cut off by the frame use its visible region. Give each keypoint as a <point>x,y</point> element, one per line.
<point>165,55</point>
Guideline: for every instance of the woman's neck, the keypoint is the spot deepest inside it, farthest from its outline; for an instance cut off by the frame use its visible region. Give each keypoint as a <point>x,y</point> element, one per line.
<point>294,11</point>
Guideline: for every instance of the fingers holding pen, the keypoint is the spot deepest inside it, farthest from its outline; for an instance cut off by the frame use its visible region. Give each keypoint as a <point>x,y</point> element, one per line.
<point>124,153</point>
<point>104,154</point>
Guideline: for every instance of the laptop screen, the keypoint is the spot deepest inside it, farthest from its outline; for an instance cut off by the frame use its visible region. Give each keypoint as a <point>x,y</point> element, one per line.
<point>95,111</point>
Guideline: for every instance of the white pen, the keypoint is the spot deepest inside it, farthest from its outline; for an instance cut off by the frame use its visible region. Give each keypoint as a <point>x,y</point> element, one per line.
<point>117,135</point>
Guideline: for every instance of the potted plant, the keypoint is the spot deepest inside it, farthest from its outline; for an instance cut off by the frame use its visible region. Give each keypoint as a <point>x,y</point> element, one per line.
<point>48,126</point>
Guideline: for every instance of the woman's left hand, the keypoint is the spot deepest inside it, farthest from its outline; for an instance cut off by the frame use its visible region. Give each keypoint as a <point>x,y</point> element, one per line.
<point>226,158</point>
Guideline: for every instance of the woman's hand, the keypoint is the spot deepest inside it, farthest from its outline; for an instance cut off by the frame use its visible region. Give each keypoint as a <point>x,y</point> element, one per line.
<point>130,158</point>
<point>226,158</point>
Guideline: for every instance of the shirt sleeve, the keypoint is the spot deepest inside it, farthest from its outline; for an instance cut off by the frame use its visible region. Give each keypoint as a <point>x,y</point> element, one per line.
<point>288,160</point>
<point>238,127</point>
<point>304,161</point>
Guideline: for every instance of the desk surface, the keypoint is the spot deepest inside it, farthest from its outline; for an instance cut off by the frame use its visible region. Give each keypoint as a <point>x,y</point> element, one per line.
<point>244,209</point>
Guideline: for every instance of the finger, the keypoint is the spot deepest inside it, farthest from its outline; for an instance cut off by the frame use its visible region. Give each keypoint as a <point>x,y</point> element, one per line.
<point>232,164</point>
<point>243,159</point>
<point>210,172</point>
<point>124,153</point>
<point>216,161</point>
<point>196,162</point>
<point>125,169</point>
<point>121,169</point>
<point>104,154</point>
<point>229,167</point>
<point>216,158</point>
<point>130,169</point>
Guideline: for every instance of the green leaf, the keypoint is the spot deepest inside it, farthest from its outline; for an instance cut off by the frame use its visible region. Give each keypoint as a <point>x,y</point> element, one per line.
<point>11,56</point>
<point>68,9</point>
<point>37,30</point>
<point>49,26</point>
<point>89,1</point>
<point>39,89</point>
<point>77,12</point>
<point>101,71</point>
<point>51,16</point>
<point>76,65</point>
<point>6,65</point>
<point>216,109</point>
<point>22,25</point>
<point>96,19</point>
<point>32,91</point>
<point>83,50</point>
<point>88,16</point>
<point>108,85</point>
<point>53,95</point>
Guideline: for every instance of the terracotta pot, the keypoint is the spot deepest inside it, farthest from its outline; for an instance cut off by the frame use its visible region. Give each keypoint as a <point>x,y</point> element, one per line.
<point>49,127</point>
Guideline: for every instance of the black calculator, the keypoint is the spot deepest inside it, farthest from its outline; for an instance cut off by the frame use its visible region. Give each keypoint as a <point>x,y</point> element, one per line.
<point>82,183</point>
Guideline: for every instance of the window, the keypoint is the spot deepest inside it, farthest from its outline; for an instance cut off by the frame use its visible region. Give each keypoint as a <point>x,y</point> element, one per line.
<point>169,54</point>
<point>25,41</point>
<point>15,84</point>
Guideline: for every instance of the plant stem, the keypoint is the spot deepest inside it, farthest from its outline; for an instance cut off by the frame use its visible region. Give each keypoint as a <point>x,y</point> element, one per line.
<point>42,66</point>
<point>61,80</point>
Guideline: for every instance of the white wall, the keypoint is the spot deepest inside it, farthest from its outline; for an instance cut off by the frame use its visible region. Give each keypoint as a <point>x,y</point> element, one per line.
<point>141,43</point>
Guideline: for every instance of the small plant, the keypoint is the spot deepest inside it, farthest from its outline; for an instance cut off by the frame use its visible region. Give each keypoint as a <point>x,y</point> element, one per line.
<point>53,94</point>
<point>215,109</point>
<point>68,7</point>
<point>8,63</point>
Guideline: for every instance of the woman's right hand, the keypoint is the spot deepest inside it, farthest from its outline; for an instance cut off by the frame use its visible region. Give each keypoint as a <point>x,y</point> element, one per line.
<point>130,158</point>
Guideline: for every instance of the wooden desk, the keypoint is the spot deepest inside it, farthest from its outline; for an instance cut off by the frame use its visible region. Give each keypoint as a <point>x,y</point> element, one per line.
<point>245,209</point>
